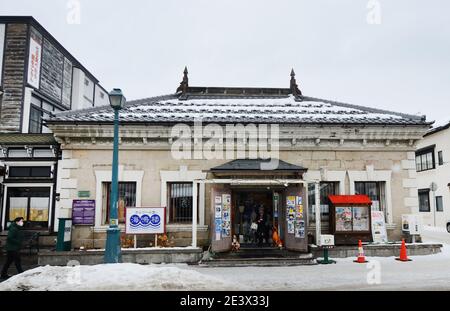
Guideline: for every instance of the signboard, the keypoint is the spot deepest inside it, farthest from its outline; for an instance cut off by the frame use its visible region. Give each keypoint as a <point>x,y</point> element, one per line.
<point>34,62</point>
<point>379,234</point>
<point>411,224</point>
<point>2,44</point>
<point>145,220</point>
<point>83,212</point>
<point>84,194</point>
<point>326,240</point>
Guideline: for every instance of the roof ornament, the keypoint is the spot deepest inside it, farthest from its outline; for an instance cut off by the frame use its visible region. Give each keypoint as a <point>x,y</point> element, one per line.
<point>183,88</point>
<point>294,87</point>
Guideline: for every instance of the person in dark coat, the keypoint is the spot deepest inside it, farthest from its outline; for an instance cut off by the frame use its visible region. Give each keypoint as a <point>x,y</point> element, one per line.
<point>13,246</point>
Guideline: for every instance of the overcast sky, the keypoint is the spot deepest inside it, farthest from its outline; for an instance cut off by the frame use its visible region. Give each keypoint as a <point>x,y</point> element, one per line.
<point>399,60</point>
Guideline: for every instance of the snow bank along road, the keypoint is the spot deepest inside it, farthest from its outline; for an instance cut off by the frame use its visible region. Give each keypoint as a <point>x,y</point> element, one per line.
<point>423,273</point>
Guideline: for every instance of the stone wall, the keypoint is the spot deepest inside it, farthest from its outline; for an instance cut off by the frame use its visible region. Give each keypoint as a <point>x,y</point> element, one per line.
<point>78,172</point>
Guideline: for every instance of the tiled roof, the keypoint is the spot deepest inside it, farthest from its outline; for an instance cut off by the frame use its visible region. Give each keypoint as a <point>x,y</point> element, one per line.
<point>29,139</point>
<point>226,107</point>
<point>255,165</point>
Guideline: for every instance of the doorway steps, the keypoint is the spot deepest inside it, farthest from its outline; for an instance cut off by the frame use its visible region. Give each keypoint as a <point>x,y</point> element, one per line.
<point>259,257</point>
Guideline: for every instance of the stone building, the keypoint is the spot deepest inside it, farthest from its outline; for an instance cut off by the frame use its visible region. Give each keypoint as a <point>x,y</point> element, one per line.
<point>38,77</point>
<point>349,149</point>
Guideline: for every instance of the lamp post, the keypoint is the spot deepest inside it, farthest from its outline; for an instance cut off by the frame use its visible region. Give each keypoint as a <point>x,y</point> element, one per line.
<point>113,247</point>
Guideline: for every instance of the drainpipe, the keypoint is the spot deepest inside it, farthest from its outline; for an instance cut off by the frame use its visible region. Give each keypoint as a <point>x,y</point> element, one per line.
<point>317,203</point>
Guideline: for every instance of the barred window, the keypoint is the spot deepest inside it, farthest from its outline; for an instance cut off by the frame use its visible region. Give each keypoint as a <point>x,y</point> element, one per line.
<point>180,202</point>
<point>127,198</point>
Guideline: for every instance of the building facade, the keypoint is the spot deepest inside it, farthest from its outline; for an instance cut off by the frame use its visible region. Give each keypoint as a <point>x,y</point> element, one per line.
<point>432,164</point>
<point>38,78</point>
<point>348,149</point>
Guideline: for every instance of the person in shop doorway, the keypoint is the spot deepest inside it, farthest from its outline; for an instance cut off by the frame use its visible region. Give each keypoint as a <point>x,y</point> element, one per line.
<point>262,229</point>
<point>13,246</point>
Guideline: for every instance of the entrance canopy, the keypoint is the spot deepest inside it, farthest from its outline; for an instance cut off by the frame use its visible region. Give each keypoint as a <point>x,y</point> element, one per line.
<point>258,167</point>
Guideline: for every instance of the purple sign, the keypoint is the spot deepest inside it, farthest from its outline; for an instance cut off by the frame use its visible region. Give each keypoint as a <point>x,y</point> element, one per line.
<point>83,212</point>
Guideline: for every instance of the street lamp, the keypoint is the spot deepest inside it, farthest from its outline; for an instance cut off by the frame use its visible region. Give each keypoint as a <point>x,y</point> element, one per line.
<point>113,247</point>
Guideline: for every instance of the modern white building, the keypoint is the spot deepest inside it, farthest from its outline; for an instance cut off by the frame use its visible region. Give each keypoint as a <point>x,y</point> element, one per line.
<point>433,167</point>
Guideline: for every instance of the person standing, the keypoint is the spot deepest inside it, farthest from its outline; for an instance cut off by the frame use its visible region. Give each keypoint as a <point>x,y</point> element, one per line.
<point>13,246</point>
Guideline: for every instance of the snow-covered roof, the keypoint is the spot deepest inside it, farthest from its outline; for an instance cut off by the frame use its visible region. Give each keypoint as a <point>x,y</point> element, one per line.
<point>270,107</point>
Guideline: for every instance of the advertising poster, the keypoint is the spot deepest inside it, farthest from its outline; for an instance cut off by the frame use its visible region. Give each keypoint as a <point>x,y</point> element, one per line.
<point>360,218</point>
<point>145,220</point>
<point>300,229</point>
<point>218,227</point>
<point>226,215</point>
<point>218,217</point>
<point>379,233</point>
<point>343,219</point>
<point>291,213</point>
<point>218,211</point>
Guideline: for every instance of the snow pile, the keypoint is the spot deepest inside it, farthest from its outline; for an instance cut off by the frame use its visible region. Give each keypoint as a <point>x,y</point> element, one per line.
<point>113,277</point>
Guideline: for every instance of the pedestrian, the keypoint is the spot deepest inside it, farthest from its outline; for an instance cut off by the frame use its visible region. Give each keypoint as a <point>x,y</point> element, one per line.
<point>13,246</point>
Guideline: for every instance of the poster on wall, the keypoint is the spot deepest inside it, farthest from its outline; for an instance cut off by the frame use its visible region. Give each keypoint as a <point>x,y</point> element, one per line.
<point>300,229</point>
<point>2,44</point>
<point>226,215</point>
<point>218,216</point>
<point>145,220</point>
<point>291,213</point>
<point>379,233</point>
<point>34,60</point>
<point>343,219</point>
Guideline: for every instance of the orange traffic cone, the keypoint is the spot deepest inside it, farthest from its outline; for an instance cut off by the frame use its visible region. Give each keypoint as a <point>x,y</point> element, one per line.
<point>361,258</point>
<point>403,253</point>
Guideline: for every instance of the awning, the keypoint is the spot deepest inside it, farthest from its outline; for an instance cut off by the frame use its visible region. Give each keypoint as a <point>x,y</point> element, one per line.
<point>350,199</point>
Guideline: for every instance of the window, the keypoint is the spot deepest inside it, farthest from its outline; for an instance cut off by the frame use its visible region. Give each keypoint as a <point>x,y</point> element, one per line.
<point>102,95</point>
<point>17,153</point>
<point>43,153</point>
<point>86,82</point>
<point>439,204</point>
<point>27,171</point>
<point>375,191</point>
<point>424,200</point>
<point>326,188</point>
<point>440,158</point>
<point>31,203</point>
<point>180,202</point>
<point>425,159</point>
<point>35,120</point>
<point>127,198</point>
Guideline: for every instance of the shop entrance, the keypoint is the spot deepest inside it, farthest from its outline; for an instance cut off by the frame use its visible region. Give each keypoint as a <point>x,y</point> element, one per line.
<point>255,216</point>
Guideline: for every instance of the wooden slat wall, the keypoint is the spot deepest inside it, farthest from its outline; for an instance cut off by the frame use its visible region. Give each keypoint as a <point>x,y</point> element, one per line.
<point>13,77</point>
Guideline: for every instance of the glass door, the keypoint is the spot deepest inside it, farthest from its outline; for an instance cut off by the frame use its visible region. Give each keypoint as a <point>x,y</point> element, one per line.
<point>31,203</point>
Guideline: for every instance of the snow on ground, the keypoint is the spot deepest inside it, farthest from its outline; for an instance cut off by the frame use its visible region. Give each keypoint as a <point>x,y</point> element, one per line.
<point>430,272</point>
<point>113,277</point>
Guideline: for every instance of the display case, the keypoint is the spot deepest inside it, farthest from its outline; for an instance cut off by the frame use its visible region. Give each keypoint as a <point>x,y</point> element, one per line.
<point>350,219</point>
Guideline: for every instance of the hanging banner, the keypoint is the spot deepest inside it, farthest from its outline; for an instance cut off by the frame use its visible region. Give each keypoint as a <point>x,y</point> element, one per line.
<point>34,62</point>
<point>2,44</point>
<point>145,220</point>
<point>379,234</point>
